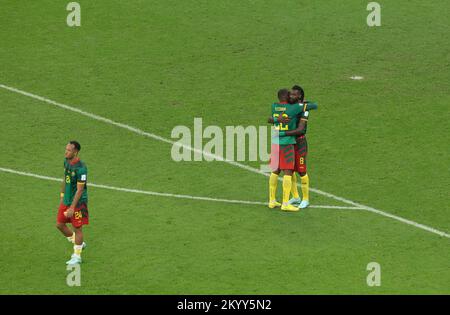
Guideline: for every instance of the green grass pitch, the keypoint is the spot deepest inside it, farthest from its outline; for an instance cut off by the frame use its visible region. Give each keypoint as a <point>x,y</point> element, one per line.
<point>382,142</point>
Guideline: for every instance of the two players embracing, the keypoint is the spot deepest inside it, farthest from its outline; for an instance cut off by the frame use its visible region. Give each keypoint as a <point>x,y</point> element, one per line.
<point>289,148</point>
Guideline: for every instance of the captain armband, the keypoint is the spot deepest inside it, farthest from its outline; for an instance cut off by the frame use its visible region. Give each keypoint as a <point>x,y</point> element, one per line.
<point>305,116</point>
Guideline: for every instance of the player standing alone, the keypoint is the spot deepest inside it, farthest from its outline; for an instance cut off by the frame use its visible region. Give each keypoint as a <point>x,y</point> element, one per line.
<point>74,198</point>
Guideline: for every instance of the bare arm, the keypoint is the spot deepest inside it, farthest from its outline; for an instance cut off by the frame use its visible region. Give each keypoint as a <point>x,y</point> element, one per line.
<point>76,198</point>
<point>63,186</point>
<point>300,129</point>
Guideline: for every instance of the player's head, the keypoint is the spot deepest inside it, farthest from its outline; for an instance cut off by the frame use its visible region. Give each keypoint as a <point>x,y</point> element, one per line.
<point>283,95</point>
<point>72,149</point>
<point>297,94</point>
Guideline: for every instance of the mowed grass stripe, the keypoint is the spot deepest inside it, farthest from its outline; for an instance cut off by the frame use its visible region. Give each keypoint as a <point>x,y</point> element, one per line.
<point>251,169</point>
<point>154,193</point>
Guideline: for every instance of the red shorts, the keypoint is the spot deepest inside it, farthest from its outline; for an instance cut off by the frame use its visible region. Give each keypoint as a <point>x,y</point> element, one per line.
<point>80,216</point>
<point>301,151</point>
<point>282,157</point>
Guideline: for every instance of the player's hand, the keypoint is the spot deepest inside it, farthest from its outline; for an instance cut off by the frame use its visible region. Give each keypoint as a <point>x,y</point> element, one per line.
<point>69,212</point>
<point>283,120</point>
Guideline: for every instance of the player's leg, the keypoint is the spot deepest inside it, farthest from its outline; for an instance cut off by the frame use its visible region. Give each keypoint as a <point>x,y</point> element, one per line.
<point>287,159</point>
<point>80,218</point>
<point>61,221</point>
<point>304,178</point>
<point>287,185</point>
<point>78,235</point>
<point>77,246</point>
<point>273,184</point>
<point>66,231</point>
<point>273,179</point>
<point>305,190</point>
<point>295,200</point>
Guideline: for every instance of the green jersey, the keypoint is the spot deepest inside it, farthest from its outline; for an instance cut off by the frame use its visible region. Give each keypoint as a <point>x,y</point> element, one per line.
<point>293,111</point>
<point>75,172</point>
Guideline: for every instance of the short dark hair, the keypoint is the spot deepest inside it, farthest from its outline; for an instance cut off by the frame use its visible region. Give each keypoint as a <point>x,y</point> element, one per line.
<point>300,89</point>
<point>283,94</point>
<point>76,145</point>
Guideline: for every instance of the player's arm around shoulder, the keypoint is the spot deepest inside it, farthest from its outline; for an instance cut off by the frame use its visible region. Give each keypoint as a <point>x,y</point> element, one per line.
<point>300,130</point>
<point>310,105</point>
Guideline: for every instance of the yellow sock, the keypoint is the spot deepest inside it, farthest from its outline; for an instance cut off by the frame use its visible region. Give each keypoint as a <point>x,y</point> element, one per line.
<point>287,184</point>
<point>305,187</point>
<point>273,182</point>
<point>77,249</point>
<point>294,189</point>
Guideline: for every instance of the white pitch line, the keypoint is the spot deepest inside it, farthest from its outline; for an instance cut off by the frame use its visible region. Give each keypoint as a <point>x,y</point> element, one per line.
<point>154,193</point>
<point>219,158</point>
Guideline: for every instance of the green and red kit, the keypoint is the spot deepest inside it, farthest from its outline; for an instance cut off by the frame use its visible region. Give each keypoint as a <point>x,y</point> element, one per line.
<point>75,172</point>
<point>283,150</point>
<point>301,147</point>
